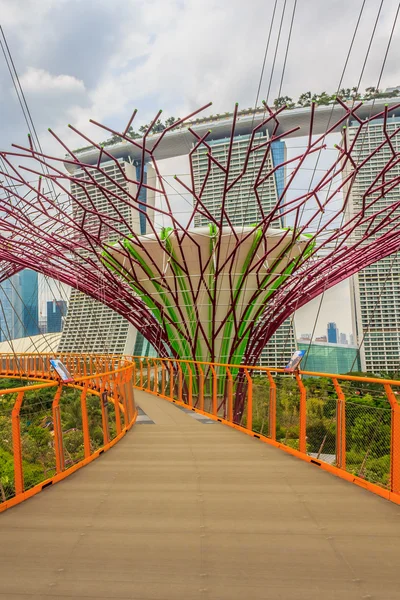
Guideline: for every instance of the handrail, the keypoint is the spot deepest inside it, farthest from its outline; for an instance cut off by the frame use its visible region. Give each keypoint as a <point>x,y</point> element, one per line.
<point>118,357</point>
<point>358,441</point>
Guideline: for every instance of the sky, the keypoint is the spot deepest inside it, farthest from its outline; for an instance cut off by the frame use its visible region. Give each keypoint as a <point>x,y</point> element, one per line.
<point>81,59</point>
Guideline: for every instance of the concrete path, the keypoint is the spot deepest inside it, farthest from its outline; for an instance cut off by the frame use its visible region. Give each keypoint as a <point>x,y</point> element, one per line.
<point>186,509</point>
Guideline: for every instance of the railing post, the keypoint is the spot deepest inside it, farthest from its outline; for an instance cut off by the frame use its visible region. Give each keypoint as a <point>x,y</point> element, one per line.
<point>190,390</point>
<point>104,412</point>
<point>200,400</point>
<point>122,384</point>
<point>85,422</point>
<point>17,449</point>
<point>155,383</point>
<point>115,395</point>
<point>58,436</point>
<point>171,380</point>
<point>162,378</point>
<point>249,424</point>
<point>340,426</point>
<point>141,375</point>
<point>148,388</point>
<point>214,391</point>
<point>180,382</point>
<point>272,406</point>
<point>302,414</point>
<point>229,393</point>
<point>395,441</point>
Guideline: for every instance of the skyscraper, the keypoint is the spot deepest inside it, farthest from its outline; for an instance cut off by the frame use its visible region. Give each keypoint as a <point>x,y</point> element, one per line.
<point>91,326</point>
<point>244,210</point>
<point>29,293</point>
<point>343,338</point>
<point>6,311</point>
<point>56,311</point>
<point>332,333</point>
<point>19,314</point>
<point>375,291</point>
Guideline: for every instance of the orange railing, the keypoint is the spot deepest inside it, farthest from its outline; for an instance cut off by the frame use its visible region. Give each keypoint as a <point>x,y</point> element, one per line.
<point>347,425</point>
<point>49,429</point>
<point>344,424</point>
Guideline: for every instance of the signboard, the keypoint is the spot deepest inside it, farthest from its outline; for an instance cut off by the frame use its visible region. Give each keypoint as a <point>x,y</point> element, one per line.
<point>295,361</point>
<point>104,397</point>
<point>61,370</point>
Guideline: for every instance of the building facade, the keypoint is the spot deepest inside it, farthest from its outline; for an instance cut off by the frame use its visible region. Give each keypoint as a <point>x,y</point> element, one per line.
<point>29,296</point>
<point>332,333</point>
<point>375,291</point>
<point>323,357</point>
<point>19,306</point>
<point>90,326</point>
<point>243,209</point>
<point>56,312</point>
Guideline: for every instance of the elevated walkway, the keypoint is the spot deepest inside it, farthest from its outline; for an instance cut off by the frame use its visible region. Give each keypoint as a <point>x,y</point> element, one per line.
<point>186,508</point>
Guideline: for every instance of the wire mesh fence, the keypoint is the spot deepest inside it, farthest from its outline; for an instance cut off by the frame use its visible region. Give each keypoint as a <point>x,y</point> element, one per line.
<point>37,437</point>
<point>287,411</point>
<point>47,428</point>
<point>368,440</point>
<point>7,488</point>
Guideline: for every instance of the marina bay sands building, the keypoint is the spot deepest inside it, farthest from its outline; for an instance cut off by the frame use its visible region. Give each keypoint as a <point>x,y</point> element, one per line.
<point>244,210</point>
<point>376,289</point>
<point>90,326</point>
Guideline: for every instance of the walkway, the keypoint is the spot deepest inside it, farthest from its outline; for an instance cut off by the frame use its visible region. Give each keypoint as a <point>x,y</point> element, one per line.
<point>186,509</point>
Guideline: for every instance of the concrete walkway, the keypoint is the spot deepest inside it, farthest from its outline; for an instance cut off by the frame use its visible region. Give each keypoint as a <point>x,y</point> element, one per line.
<point>186,509</point>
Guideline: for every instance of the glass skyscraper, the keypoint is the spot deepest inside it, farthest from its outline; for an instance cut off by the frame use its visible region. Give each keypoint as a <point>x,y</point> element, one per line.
<point>56,311</point>
<point>19,310</point>
<point>332,332</point>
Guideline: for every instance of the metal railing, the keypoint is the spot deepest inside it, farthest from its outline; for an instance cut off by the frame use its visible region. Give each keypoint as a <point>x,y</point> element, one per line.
<point>49,429</point>
<point>344,424</point>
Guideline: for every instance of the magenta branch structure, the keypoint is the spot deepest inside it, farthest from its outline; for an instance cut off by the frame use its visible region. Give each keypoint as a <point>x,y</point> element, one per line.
<point>215,292</point>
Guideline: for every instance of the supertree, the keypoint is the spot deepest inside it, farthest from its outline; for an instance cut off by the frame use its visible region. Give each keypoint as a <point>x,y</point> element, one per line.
<point>216,292</point>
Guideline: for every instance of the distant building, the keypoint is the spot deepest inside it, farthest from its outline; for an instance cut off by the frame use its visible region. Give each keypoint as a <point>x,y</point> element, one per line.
<point>332,333</point>
<point>19,313</point>
<point>351,339</point>
<point>343,338</point>
<point>43,325</point>
<point>330,358</point>
<point>321,338</point>
<point>56,311</point>
<point>6,311</point>
<point>29,294</point>
<point>305,336</point>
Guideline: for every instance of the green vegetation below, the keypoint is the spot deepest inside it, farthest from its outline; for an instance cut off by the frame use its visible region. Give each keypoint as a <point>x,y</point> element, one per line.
<point>37,432</point>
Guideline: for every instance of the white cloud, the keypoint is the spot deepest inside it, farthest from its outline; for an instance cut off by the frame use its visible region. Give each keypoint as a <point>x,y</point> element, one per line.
<point>40,81</point>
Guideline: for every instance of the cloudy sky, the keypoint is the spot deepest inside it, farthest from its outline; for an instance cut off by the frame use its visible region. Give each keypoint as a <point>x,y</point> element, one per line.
<point>81,59</point>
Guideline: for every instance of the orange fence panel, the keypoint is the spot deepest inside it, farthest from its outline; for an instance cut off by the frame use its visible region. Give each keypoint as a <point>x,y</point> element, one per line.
<point>54,427</point>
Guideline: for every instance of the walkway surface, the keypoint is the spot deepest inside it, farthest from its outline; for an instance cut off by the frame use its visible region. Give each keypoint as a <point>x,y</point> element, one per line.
<point>188,509</point>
